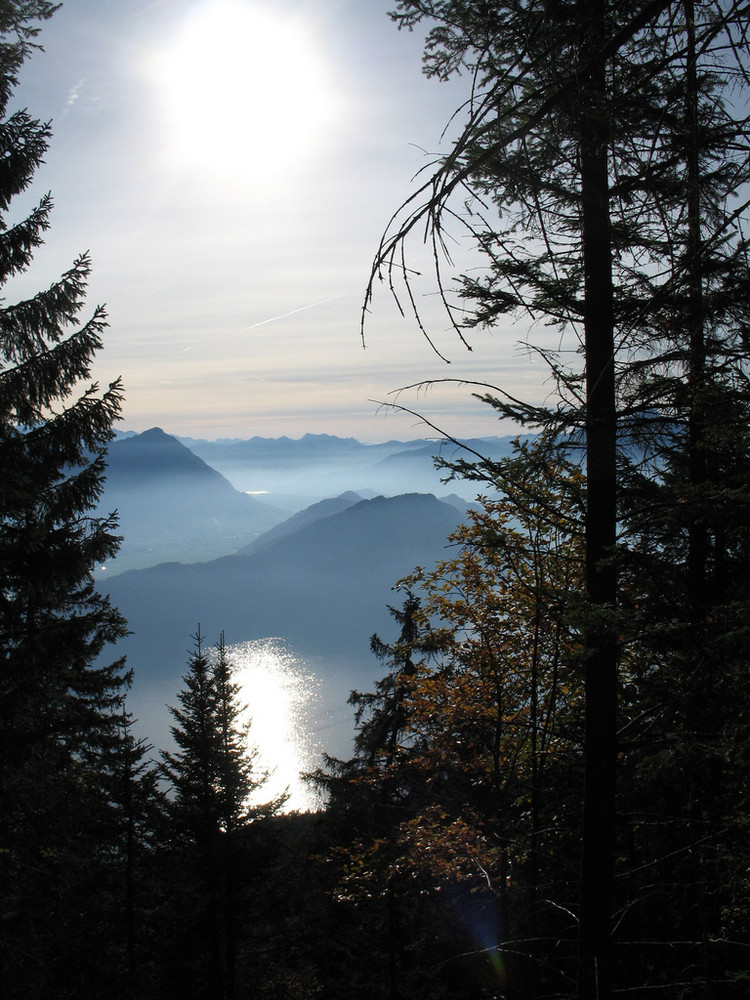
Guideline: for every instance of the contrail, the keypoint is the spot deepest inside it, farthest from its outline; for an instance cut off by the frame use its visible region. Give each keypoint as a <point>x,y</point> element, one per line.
<point>150,6</point>
<point>291,312</point>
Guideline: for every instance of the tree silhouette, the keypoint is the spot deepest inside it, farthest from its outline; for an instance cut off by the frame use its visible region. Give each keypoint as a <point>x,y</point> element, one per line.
<point>213,774</point>
<point>58,701</point>
<point>598,172</point>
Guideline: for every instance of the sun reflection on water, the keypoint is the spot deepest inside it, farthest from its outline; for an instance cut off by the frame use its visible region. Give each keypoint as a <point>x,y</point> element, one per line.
<point>281,696</point>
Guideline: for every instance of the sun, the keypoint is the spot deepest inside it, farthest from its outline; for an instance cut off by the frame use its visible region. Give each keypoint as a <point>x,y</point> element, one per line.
<point>244,90</point>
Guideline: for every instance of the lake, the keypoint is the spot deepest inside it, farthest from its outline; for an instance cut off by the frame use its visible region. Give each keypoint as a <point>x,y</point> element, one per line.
<point>284,707</point>
<point>296,705</point>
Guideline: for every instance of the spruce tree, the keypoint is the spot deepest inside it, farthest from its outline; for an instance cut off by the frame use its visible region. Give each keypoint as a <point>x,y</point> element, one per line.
<point>58,698</point>
<point>212,774</point>
<point>137,842</point>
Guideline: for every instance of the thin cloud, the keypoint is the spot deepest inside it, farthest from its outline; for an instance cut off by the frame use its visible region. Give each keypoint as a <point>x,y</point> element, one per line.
<point>73,95</point>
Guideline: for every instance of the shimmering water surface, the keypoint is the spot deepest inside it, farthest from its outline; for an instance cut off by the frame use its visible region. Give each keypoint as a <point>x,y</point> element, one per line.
<point>283,700</point>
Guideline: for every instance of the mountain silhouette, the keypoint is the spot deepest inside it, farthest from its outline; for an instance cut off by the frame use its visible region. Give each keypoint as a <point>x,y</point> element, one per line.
<point>171,505</point>
<point>324,588</point>
<point>315,512</point>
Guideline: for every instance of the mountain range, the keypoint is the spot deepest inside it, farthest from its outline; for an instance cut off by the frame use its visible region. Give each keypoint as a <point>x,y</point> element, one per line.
<point>324,588</point>
<point>297,472</point>
<point>174,505</point>
<point>198,551</point>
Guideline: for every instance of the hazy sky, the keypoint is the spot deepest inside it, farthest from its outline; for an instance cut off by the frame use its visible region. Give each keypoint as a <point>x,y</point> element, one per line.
<point>231,164</point>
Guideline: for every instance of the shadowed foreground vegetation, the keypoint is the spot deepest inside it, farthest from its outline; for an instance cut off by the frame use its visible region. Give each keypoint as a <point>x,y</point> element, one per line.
<point>548,790</point>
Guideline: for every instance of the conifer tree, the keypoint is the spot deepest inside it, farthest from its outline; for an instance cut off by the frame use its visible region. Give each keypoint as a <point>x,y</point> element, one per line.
<point>212,774</point>
<point>137,833</point>
<point>58,699</point>
<point>599,172</point>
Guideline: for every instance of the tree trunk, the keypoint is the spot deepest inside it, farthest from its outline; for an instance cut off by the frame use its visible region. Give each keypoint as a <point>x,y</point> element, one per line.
<point>597,842</point>
<point>698,548</point>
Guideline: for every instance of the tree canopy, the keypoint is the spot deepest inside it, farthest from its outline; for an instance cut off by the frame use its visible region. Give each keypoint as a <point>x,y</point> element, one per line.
<point>600,170</point>
<point>59,699</point>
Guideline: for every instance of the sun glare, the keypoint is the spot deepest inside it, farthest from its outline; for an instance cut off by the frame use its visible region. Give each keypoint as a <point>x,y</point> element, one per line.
<point>244,90</point>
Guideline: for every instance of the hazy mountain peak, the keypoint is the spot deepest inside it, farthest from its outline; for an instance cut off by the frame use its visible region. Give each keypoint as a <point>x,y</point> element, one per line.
<point>300,520</point>
<point>171,504</point>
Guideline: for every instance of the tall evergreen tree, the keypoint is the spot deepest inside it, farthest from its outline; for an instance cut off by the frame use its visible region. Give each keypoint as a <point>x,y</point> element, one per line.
<point>58,702</point>
<point>212,774</point>
<point>602,154</point>
<point>137,835</point>
<point>193,772</point>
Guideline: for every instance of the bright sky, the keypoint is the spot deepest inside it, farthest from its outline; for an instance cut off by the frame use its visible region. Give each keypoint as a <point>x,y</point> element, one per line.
<point>231,164</point>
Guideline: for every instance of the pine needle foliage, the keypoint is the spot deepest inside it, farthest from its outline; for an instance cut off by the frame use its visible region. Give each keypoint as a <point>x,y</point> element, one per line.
<point>59,700</point>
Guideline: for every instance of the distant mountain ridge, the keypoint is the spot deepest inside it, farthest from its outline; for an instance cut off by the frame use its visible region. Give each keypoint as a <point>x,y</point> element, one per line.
<point>174,505</point>
<point>324,588</point>
<point>304,470</point>
<point>199,551</point>
<point>287,446</point>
